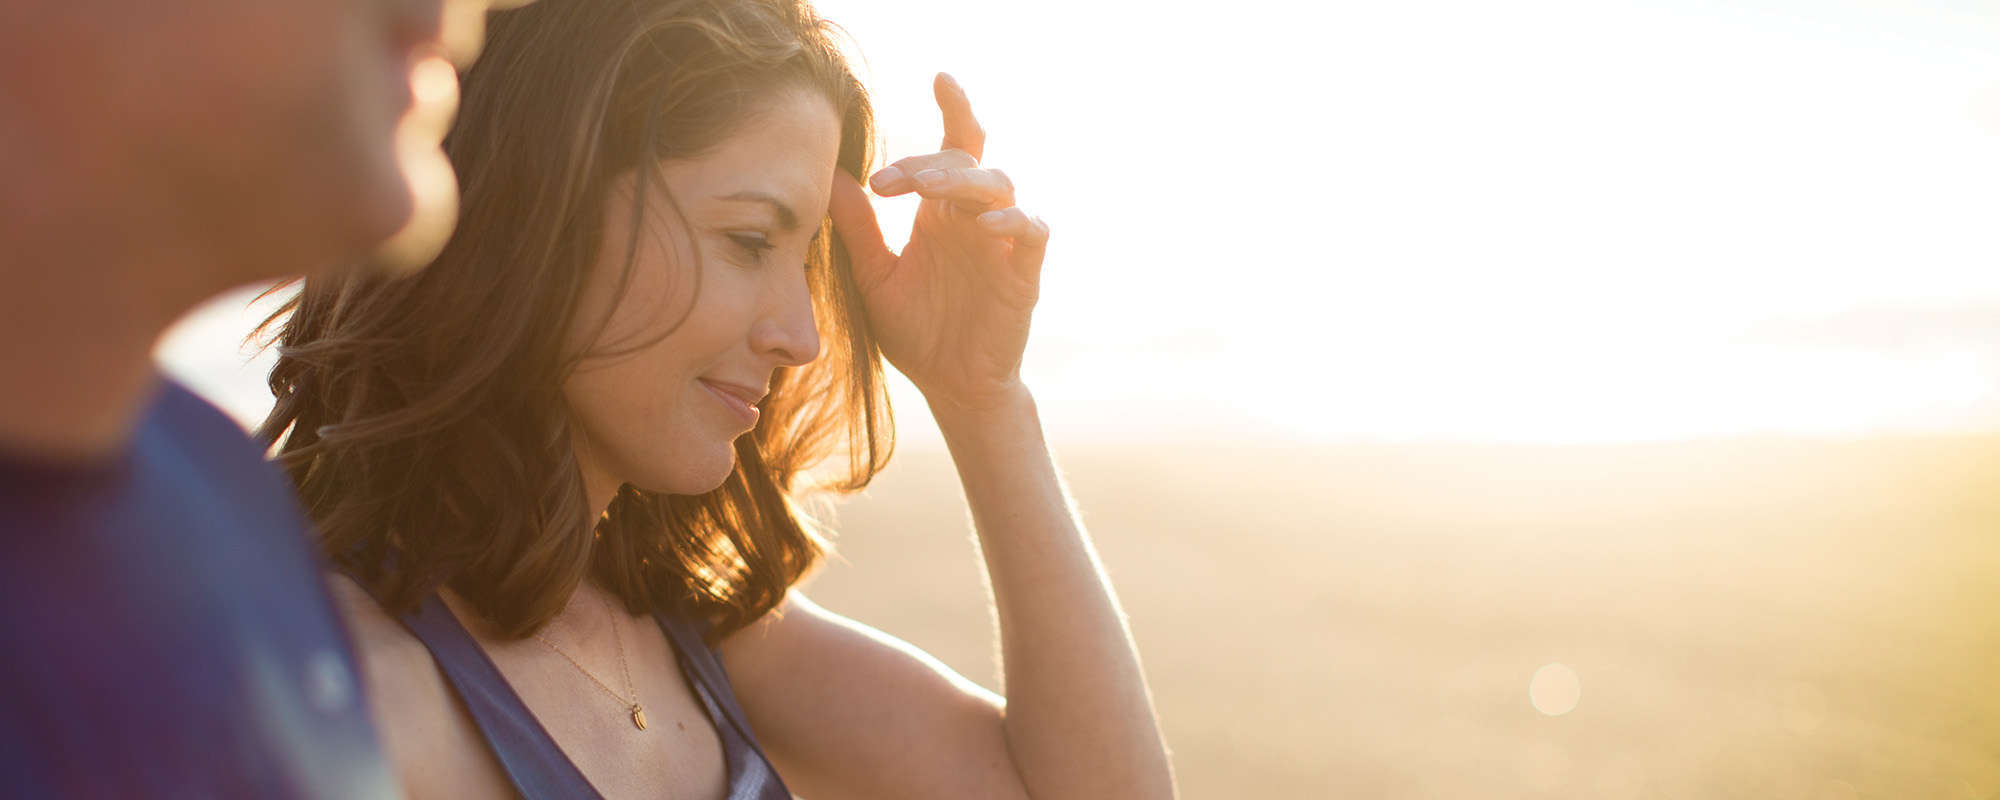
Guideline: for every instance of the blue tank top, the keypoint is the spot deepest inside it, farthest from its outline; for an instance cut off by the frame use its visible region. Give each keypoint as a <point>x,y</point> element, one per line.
<point>537,767</point>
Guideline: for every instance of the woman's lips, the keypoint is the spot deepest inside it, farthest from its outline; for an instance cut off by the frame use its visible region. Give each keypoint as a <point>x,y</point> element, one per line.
<point>731,397</point>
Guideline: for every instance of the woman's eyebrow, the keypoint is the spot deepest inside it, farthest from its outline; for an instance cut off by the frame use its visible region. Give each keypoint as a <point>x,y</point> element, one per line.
<point>787,218</point>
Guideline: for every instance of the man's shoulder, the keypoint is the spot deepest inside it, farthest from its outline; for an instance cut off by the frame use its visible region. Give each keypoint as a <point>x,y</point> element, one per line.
<point>189,477</point>
<point>188,444</point>
<point>183,420</point>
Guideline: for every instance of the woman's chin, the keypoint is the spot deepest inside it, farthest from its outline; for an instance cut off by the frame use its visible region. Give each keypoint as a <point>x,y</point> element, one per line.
<point>694,476</point>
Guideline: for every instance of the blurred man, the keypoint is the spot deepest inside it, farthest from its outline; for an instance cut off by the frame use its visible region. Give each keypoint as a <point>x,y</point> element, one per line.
<point>163,629</point>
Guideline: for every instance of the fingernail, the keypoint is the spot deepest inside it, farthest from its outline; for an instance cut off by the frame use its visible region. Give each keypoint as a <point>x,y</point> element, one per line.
<point>888,177</point>
<point>931,177</point>
<point>992,218</point>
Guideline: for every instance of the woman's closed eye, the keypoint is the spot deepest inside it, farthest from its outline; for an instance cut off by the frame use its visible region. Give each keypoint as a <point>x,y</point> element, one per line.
<point>752,246</point>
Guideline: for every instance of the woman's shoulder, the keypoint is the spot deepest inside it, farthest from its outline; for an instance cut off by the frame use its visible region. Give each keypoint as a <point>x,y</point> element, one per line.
<point>381,639</point>
<point>437,750</point>
<point>405,687</point>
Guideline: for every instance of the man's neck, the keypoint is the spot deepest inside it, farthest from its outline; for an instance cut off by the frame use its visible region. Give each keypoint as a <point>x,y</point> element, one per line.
<point>77,328</point>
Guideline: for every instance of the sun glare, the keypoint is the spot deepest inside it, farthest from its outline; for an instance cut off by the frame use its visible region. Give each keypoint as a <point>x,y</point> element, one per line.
<point>1554,222</point>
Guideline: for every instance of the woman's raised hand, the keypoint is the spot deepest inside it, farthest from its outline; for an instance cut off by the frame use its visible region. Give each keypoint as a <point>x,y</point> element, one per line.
<point>952,310</point>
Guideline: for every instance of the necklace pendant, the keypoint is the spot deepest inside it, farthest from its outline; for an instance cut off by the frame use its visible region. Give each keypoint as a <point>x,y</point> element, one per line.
<point>638,716</point>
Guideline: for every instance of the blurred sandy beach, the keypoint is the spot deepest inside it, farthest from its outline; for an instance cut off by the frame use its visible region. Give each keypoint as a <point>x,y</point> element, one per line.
<point>1729,619</point>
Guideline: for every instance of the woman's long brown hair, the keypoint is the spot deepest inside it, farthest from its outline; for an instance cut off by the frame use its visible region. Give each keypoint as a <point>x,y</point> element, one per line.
<point>421,417</point>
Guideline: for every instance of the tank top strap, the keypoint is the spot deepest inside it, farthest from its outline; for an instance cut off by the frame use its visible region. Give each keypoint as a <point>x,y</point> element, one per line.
<point>751,775</point>
<point>534,763</point>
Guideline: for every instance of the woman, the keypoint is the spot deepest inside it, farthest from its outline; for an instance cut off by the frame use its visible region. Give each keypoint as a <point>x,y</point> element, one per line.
<point>529,460</point>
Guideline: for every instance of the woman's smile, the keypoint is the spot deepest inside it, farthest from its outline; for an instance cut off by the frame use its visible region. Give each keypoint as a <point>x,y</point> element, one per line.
<point>739,401</point>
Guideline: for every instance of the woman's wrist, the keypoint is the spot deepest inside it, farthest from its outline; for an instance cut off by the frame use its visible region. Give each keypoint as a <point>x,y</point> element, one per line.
<point>1001,410</point>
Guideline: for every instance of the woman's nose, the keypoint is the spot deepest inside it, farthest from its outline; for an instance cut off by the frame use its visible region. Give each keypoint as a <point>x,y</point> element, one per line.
<point>789,333</point>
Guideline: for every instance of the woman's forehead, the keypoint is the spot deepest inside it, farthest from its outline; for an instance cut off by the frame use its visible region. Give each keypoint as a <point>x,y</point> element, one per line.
<point>783,156</point>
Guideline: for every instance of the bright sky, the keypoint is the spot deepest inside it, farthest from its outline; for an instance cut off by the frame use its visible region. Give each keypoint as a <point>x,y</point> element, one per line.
<point>1546,220</point>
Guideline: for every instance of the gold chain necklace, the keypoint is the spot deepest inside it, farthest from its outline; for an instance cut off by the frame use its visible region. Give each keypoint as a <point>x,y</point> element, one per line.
<point>638,713</point>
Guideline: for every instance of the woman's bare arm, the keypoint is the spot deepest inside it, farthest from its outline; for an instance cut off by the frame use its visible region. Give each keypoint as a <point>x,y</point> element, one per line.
<point>848,712</point>
<point>858,715</point>
<point>1080,721</point>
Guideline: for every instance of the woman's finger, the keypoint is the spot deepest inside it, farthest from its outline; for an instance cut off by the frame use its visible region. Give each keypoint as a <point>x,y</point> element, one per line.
<point>961,128</point>
<point>897,179</point>
<point>974,190</point>
<point>1030,235</point>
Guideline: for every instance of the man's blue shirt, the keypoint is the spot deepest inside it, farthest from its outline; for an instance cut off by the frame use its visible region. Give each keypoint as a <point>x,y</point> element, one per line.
<point>165,630</point>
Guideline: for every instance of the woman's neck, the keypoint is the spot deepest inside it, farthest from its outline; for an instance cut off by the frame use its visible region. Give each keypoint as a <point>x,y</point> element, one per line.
<point>599,486</point>
<point>584,620</point>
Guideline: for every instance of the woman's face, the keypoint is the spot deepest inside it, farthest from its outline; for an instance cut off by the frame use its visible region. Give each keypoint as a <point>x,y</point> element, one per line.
<point>715,303</point>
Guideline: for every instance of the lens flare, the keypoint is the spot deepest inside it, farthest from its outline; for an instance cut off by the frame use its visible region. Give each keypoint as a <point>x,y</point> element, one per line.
<point>1554,689</point>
